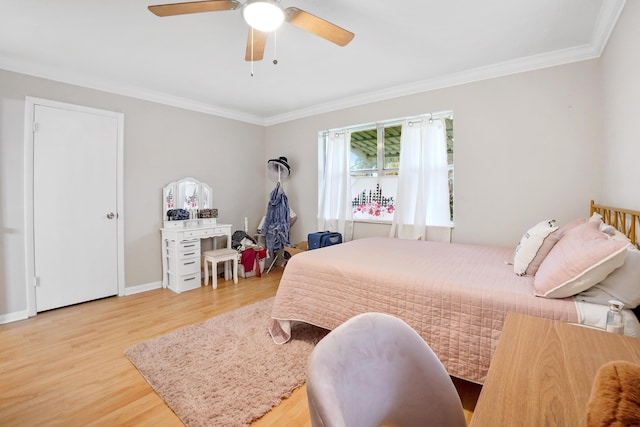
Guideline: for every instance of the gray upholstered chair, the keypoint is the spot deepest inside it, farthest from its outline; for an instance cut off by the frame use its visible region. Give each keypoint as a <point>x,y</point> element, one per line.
<point>375,370</point>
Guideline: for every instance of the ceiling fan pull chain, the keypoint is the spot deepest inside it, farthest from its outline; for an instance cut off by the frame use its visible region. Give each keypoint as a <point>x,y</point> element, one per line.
<point>275,48</point>
<point>251,51</point>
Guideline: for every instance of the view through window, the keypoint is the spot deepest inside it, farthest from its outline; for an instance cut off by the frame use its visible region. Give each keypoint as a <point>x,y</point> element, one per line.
<point>374,163</point>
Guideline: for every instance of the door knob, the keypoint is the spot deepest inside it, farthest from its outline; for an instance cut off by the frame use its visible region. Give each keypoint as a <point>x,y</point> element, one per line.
<point>111,215</point>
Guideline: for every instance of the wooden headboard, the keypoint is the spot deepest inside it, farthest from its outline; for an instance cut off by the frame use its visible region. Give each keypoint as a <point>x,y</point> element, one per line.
<point>624,220</point>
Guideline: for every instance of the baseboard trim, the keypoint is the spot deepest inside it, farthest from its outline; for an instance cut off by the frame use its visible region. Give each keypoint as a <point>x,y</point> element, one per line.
<point>24,314</point>
<point>142,288</point>
<point>14,317</point>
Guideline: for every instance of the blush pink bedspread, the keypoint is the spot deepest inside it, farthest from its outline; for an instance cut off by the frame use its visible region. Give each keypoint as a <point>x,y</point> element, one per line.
<point>455,296</point>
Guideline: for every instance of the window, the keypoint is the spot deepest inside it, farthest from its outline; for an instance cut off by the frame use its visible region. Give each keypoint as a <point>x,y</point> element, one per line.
<point>374,162</point>
<point>448,121</point>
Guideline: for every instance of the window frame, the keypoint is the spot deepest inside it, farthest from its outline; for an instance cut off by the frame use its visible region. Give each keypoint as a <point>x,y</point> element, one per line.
<point>380,171</point>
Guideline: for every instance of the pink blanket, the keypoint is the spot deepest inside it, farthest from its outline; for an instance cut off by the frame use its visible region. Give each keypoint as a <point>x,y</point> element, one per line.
<point>455,296</point>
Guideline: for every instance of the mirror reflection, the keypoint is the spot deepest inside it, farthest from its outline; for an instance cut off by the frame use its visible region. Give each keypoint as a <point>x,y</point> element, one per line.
<point>188,194</point>
<point>189,190</point>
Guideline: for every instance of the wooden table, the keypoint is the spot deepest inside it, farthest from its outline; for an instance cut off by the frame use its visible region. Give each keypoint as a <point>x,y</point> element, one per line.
<point>543,370</point>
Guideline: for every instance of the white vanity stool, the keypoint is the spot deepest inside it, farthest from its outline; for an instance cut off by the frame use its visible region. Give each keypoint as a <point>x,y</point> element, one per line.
<point>216,256</point>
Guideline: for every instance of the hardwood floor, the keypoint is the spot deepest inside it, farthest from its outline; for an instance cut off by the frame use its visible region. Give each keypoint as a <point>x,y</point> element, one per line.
<point>67,367</point>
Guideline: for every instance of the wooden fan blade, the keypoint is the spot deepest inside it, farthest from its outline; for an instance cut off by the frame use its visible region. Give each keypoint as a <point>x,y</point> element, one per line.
<point>318,26</point>
<point>259,40</point>
<point>193,7</point>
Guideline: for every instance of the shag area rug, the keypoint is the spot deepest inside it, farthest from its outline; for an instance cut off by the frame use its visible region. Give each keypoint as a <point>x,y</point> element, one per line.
<point>225,371</point>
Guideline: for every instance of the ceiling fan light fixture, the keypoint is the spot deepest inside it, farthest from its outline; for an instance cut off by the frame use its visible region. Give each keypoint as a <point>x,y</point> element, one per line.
<point>263,15</point>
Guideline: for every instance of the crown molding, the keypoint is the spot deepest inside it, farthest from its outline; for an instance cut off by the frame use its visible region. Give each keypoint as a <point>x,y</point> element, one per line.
<point>530,63</point>
<point>83,80</point>
<point>605,23</point>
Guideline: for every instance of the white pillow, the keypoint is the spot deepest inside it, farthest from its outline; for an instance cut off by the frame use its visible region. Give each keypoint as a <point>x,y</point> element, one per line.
<point>534,247</point>
<point>615,234</point>
<point>595,217</point>
<point>609,229</point>
<point>622,285</point>
<point>581,259</point>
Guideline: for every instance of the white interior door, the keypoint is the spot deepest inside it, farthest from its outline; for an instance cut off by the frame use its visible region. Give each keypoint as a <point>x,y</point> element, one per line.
<point>75,212</point>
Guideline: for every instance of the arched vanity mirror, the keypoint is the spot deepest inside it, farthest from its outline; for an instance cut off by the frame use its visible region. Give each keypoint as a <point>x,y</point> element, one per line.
<point>194,197</point>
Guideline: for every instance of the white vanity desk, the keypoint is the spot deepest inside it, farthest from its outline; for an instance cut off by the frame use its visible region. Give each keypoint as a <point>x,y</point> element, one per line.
<point>181,270</point>
<point>181,255</point>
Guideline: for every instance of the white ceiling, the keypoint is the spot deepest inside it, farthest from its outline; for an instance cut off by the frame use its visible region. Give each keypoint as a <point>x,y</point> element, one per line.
<point>197,61</point>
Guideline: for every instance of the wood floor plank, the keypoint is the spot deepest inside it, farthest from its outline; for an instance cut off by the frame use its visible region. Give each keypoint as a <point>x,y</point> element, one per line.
<point>67,366</point>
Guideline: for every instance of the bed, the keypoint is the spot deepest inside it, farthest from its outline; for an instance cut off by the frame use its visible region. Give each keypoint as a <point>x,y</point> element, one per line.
<point>455,296</point>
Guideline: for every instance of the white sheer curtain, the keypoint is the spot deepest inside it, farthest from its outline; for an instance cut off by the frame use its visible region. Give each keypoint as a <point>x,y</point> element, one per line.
<point>423,190</point>
<point>334,202</point>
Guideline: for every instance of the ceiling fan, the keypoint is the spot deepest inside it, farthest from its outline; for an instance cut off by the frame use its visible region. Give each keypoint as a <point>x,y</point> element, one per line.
<point>263,16</point>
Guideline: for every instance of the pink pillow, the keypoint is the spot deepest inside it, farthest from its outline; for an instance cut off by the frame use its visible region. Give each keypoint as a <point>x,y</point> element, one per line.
<point>570,226</point>
<point>583,257</point>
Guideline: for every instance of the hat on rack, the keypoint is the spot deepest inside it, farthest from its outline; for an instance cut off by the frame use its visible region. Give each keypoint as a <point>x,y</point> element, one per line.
<point>280,165</point>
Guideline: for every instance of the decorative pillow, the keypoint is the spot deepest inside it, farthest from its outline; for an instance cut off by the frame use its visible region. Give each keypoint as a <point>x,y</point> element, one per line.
<point>582,258</point>
<point>622,285</point>
<point>570,225</point>
<point>534,247</point>
<point>615,234</point>
<point>595,217</point>
<point>609,229</point>
<point>549,243</point>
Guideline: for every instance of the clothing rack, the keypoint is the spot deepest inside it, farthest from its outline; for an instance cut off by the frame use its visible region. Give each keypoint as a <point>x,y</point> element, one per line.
<point>281,166</point>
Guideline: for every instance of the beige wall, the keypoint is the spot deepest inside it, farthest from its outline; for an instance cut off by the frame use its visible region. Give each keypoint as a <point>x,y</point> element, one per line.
<point>527,147</point>
<point>161,144</point>
<point>621,89</point>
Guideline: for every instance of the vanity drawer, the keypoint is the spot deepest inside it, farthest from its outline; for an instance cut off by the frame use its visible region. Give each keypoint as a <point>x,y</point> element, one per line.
<point>185,266</point>
<point>198,233</point>
<point>206,232</point>
<point>188,245</point>
<point>221,230</point>
<point>192,253</point>
<point>184,250</point>
<point>184,283</point>
<point>183,244</point>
